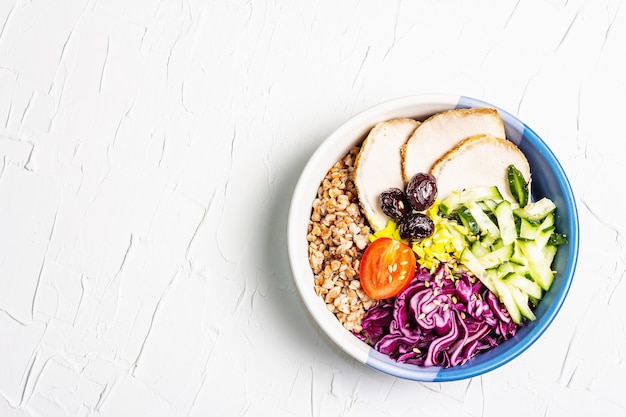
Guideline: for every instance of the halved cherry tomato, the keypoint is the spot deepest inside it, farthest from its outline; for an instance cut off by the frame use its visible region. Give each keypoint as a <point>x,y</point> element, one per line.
<point>387,268</point>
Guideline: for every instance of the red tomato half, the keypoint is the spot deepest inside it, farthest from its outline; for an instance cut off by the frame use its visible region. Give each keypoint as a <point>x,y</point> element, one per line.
<point>387,268</point>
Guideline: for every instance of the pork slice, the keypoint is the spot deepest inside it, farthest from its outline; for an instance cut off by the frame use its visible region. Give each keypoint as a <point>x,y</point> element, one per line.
<point>480,160</point>
<point>442,132</point>
<point>378,166</point>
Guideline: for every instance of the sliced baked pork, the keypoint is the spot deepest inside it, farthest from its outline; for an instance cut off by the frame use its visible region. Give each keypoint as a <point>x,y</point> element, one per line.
<point>378,166</point>
<point>479,160</point>
<point>442,132</point>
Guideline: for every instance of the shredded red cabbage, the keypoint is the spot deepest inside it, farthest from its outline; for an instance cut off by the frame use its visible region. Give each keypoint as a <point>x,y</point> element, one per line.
<point>438,320</point>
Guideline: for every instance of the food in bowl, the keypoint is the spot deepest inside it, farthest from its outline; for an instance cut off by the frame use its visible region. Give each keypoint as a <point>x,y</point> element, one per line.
<point>549,180</point>
<point>424,242</point>
<point>337,236</point>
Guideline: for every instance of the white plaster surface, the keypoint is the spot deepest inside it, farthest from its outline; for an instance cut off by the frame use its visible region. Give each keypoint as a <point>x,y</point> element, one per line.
<point>148,151</point>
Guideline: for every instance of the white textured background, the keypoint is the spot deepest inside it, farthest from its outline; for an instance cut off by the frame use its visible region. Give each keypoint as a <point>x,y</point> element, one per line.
<point>148,151</point>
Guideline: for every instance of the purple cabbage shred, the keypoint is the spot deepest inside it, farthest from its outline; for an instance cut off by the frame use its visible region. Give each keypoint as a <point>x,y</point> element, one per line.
<point>438,320</point>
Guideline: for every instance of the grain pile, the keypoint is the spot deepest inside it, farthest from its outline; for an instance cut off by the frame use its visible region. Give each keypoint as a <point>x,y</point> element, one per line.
<point>338,234</point>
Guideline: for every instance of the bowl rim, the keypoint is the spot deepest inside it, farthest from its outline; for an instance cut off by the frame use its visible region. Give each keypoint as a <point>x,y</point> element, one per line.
<point>356,127</point>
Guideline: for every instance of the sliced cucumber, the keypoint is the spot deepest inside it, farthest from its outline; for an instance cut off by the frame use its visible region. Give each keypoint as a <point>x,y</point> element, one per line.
<point>518,257</point>
<point>543,236</point>
<point>527,229</point>
<point>521,302</point>
<point>536,211</point>
<point>450,203</point>
<point>490,241</point>
<point>485,224</point>
<point>488,205</point>
<point>496,257</point>
<point>539,260</point>
<point>479,249</point>
<point>512,248</point>
<point>472,263</point>
<point>506,222</point>
<point>528,286</point>
<point>517,185</point>
<point>467,219</point>
<point>504,293</point>
<point>547,221</point>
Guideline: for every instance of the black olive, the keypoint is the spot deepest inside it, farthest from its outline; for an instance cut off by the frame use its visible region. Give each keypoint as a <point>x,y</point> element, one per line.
<point>421,191</point>
<point>416,226</point>
<point>393,203</point>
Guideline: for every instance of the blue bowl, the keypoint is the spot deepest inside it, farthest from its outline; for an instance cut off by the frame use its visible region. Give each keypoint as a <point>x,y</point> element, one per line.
<point>549,180</point>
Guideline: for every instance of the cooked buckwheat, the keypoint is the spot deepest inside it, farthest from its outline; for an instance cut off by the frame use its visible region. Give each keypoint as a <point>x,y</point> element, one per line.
<point>338,234</point>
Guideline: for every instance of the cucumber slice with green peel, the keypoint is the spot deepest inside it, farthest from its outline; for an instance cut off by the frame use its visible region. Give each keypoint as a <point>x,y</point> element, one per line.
<point>517,257</point>
<point>526,285</point>
<point>472,263</point>
<point>496,243</point>
<point>507,268</point>
<point>490,241</point>
<point>496,257</point>
<point>547,221</point>
<point>527,229</point>
<point>479,249</point>
<point>488,205</point>
<point>536,211</point>
<point>521,301</point>
<point>543,236</point>
<point>530,229</point>
<point>451,202</point>
<point>484,222</point>
<point>517,185</point>
<point>539,262</point>
<point>506,222</point>
<point>504,294</point>
<point>467,219</point>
